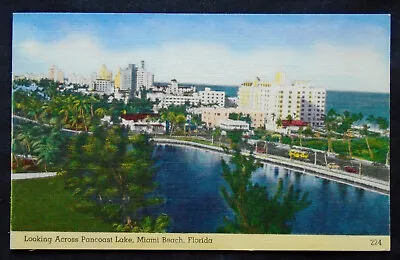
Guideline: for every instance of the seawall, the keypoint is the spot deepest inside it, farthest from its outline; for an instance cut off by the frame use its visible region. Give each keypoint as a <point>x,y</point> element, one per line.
<point>359,181</point>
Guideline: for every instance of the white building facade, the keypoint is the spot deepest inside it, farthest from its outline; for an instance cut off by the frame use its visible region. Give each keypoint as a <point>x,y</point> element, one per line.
<point>229,125</point>
<point>210,97</point>
<point>299,100</point>
<point>103,86</point>
<point>144,79</point>
<point>168,100</point>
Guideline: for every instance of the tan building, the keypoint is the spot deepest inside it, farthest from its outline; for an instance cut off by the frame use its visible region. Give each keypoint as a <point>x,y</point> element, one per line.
<point>56,74</point>
<point>104,73</point>
<point>213,116</point>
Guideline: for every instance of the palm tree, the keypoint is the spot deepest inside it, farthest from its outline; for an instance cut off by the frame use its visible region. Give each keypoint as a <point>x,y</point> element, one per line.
<point>65,110</point>
<point>332,120</point>
<point>273,117</point>
<point>382,123</point>
<point>180,119</point>
<point>279,122</point>
<point>92,100</point>
<point>300,132</point>
<point>101,112</point>
<point>364,132</point>
<point>82,106</point>
<point>74,121</point>
<point>26,138</point>
<point>217,133</point>
<point>45,151</point>
<point>34,108</point>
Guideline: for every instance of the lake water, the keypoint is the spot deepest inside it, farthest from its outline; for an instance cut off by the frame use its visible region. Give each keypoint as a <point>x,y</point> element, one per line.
<point>190,180</point>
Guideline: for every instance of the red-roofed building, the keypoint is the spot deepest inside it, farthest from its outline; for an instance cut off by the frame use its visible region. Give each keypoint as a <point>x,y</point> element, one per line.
<point>137,117</point>
<point>137,123</point>
<point>298,123</point>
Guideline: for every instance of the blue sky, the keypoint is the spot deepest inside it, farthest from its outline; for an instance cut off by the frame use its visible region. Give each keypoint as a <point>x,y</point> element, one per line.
<point>343,52</point>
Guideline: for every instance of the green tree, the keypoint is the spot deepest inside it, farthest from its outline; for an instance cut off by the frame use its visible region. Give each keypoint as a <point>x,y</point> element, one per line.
<point>235,138</point>
<point>332,120</point>
<point>217,134</point>
<point>364,131</point>
<point>382,123</point>
<point>234,116</point>
<point>180,120</point>
<point>82,107</point>
<point>47,148</point>
<point>255,210</point>
<point>119,185</point>
<point>279,122</point>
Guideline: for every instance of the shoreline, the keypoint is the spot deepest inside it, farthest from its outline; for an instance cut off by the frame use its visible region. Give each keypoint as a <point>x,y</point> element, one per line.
<point>363,182</point>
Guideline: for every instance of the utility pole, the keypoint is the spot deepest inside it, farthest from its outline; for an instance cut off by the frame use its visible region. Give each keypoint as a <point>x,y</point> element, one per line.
<point>326,162</point>
<point>359,169</point>
<point>315,157</point>
<point>387,158</point>
<point>212,139</point>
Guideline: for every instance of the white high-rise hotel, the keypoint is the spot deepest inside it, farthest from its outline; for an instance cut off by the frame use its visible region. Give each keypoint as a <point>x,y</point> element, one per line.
<point>144,78</point>
<point>278,100</point>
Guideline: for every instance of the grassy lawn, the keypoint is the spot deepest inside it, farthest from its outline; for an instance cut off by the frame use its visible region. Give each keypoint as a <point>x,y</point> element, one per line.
<point>44,205</point>
<point>379,147</point>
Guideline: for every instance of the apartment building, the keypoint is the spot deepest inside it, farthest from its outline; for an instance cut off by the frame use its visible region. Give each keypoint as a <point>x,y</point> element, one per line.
<point>56,74</point>
<point>101,85</point>
<point>210,97</point>
<point>145,79</point>
<point>278,100</point>
<point>168,100</point>
<point>128,80</point>
<point>213,116</point>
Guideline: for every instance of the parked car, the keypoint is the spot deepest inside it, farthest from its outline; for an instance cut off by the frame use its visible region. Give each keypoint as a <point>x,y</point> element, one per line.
<point>333,166</point>
<point>260,150</point>
<point>350,169</point>
<point>378,164</point>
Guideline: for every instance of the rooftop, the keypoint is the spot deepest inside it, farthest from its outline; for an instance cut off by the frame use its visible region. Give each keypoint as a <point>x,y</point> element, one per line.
<point>137,117</point>
<point>286,123</point>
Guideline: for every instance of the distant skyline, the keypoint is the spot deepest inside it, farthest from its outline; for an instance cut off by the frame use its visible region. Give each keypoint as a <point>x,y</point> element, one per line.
<point>338,52</point>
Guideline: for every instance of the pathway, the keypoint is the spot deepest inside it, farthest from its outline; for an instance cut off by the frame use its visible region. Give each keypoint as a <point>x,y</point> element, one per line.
<point>32,175</point>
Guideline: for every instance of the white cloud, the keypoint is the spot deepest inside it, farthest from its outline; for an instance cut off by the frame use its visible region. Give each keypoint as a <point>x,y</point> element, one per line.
<point>336,67</point>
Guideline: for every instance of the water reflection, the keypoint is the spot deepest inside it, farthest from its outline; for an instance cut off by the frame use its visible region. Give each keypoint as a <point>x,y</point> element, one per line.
<point>191,179</point>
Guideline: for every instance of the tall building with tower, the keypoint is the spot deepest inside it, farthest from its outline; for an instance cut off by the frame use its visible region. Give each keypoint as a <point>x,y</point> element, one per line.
<point>145,79</point>
<point>104,73</point>
<point>280,78</point>
<point>117,79</point>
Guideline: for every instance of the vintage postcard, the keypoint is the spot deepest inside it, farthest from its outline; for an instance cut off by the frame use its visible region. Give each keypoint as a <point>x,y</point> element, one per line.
<point>200,132</point>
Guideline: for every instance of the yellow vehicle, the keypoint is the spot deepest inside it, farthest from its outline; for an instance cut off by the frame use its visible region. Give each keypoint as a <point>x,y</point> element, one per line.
<point>298,154</point>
